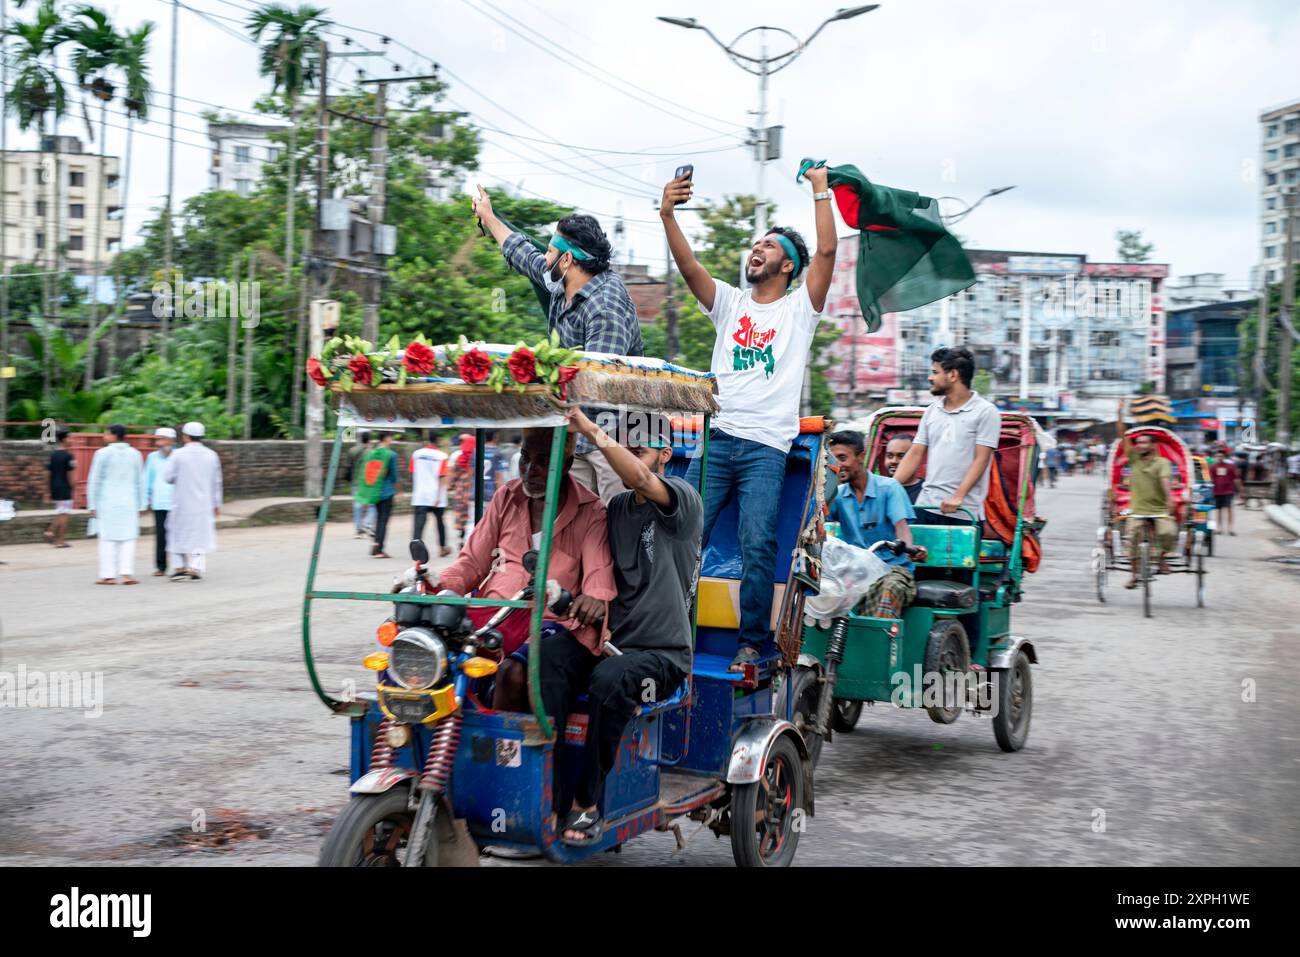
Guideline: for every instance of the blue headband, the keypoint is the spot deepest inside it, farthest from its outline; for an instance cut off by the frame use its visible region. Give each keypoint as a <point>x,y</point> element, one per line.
<point>564,246</point>
<point>789,251</point>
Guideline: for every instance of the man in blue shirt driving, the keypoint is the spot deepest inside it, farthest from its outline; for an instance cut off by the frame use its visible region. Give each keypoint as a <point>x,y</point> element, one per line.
<point>873,508</point>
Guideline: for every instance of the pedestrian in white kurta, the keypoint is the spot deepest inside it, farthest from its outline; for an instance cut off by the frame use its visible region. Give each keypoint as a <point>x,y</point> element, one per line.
<point>115,497</point>
<point>195,471</point>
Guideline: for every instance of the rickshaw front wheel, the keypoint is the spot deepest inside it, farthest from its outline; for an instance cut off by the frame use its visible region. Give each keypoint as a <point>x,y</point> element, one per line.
<point>1015,704</point>
<point>372,831</point>
<point>767,815</point>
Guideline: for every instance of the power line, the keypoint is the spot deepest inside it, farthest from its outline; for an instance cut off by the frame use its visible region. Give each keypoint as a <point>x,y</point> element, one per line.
<point>570,56</point>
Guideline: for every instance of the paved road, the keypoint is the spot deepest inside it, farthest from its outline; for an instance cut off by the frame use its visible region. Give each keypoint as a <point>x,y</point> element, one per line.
<point>207,711</point>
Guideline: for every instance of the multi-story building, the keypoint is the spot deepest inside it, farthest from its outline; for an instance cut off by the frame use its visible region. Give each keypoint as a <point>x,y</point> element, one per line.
<point>53,197</point>
<point>1203,369</point>
<point>1055,333</point>
<point>1202,289</point>
<point>239,151</point>
<point>1279,169</point>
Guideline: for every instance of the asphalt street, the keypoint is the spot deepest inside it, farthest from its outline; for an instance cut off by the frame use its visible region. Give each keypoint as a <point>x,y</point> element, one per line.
<point>1174,740</point>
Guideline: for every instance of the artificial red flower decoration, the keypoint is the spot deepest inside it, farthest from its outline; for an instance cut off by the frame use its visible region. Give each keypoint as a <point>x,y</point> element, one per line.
<point>418,359</point>
<point>522,365</point>
<point>567,374</point>
<point>363,373</point>
<point>316,372</point>
<point>474,366</point>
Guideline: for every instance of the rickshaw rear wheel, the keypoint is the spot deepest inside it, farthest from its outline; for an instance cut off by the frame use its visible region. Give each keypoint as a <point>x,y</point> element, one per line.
<point>1099,566</point>
<point>807,691</point>
<point>946,651</point>
<point>767,815</point>
<point>1200,581</point>
<point>1015,704</point>
<point>845,715</point>
<point>372,831</point>
<point>1144,573</point>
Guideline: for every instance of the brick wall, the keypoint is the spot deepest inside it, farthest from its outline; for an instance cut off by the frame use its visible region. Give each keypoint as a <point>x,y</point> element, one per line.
<point>259,468</point>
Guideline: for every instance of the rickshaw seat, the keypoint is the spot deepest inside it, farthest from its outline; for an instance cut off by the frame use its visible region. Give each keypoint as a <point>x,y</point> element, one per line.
<point>678,697</point>
<point>941,593</point>
<point>948,546</point>
<point>718,603</point>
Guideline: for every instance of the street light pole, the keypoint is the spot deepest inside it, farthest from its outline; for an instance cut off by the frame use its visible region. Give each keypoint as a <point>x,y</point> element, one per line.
<point>764,66</point>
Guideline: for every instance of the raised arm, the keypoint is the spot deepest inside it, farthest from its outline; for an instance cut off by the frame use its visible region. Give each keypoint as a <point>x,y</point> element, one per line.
<point>822,266</point>
<point>519,253</point>
<point>697,277</point>
<point>626,466</point>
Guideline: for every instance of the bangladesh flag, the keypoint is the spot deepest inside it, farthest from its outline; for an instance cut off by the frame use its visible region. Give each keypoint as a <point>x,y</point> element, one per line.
<point>906,256</point>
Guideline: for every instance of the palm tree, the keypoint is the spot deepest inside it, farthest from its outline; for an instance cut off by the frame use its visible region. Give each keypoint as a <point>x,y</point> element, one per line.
<point>133,56</point>
<point>101,55</point>
<point>290,56</point>
<point>37,98</point>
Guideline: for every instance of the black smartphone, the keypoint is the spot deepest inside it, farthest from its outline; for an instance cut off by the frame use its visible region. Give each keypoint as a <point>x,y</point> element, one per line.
<point>688,171</point>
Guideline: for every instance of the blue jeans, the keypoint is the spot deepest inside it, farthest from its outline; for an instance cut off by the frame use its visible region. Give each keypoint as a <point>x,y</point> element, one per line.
<point>755,474</point>
<point>363,516</point>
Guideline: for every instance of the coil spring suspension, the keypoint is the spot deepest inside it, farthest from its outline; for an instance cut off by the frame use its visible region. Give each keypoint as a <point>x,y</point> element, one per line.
<point>834,655</point>
<point>383,755</point>
<point>442,754</point>
<point>835,646</point>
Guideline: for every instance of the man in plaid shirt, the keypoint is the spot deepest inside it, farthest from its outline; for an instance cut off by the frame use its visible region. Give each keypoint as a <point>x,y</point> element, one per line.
<point>590,307</point>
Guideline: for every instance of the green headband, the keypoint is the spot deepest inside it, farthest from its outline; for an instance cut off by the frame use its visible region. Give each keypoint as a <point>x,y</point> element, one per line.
<point>564,246</point>
<point>789,251</point>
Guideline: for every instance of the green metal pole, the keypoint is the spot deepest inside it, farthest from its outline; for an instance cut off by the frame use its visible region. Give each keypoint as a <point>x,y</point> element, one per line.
<point>550,510</point>
<point>478,475</point>
<point>322,516</point>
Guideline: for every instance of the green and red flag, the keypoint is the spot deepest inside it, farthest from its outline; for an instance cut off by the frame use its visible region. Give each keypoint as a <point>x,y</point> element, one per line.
<point>906,256</point>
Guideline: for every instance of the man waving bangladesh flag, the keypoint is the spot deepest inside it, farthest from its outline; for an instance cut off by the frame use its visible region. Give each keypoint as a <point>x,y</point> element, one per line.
<point>906,257</point>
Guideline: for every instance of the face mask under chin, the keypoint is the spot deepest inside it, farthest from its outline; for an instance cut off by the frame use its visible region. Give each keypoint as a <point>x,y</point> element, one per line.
<point>554,278</point>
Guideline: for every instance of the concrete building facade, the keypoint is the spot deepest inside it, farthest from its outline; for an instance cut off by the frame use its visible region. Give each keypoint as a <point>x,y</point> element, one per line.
<point>53,198</point>
<point>239,151</point>
<point>1056,334</point>
<point>1279,169</point>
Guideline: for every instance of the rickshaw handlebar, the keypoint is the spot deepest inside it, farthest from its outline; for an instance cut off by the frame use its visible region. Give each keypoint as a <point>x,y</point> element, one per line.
<point>897,546</point>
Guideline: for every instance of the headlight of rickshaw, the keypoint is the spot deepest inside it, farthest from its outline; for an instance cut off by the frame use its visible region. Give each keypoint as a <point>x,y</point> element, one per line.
<point>417,659</point>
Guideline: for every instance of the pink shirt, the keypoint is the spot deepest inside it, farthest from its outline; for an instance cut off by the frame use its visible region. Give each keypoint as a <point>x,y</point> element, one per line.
<point>580,559</point>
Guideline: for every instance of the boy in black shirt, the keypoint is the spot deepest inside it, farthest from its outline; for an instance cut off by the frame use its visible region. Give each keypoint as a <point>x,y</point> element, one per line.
<point>60,467</point>
<point>654,541</point>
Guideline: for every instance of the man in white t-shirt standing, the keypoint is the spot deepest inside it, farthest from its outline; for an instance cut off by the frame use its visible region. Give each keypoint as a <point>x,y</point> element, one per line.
<point>430,476</point>
<point>955,442</point>
<point>763,338</point>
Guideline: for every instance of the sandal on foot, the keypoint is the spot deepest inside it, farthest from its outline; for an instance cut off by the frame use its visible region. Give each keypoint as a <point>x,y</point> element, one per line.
<point>745,656</point>
<point>1131,584</point>
<point>585,822</point>
<point>128,580</point>
<point>105,581</point>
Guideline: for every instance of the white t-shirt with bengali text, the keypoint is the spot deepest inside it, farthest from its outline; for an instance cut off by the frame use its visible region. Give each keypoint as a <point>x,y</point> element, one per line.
<point>429,477</point>
<point>759,358</point>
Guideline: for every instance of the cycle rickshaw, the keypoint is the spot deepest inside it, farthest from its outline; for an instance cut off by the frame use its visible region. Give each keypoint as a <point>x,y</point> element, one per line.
<point>1262,468</point>
<point>953,648</point>
<point>437,774</point>
<point>1191,547</point>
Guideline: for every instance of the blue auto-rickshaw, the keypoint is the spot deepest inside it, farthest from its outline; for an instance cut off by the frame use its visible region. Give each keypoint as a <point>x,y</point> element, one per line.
<point>437,775</point>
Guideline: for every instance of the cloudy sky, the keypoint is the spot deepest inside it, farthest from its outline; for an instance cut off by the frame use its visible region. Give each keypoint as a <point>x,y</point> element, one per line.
<point>1112,114</point>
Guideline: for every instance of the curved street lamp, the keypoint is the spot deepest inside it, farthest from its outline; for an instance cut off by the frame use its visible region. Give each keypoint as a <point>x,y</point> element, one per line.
<point>763,66</point>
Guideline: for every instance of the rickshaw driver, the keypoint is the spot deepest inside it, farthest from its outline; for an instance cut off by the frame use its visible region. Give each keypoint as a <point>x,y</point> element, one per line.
<point>654,539</point>
<point>874,508</point>
<point>492,559</point>
<point>1150,496</point>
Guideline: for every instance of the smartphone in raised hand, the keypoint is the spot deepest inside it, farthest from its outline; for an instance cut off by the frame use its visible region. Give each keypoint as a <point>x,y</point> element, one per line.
<point>689,172</point>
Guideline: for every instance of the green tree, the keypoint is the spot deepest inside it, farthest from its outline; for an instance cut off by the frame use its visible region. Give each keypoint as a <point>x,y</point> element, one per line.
<point>1131,248</point>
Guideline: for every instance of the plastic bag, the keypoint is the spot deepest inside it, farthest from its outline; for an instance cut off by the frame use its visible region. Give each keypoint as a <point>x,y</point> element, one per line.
<point>848,572</point>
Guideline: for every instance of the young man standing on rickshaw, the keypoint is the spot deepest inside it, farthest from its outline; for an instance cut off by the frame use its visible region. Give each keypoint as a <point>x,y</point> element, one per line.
<point>1150,497</point>
<point>955,440</point>
<point>654,541</point>
<point>764,335</point>
<point>874,508</point>
<point>590,307</point>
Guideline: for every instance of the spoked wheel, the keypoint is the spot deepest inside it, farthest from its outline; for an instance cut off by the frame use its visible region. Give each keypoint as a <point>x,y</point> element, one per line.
<point>845,715</point>
<point>1144,575</point>
<point>1015,704</point>
<point>1099,572</point>
<point>947,653</point>
<point>766,815</point>
<point>372,831</point>
<point>807,692</point>
<point>1200,580</point>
